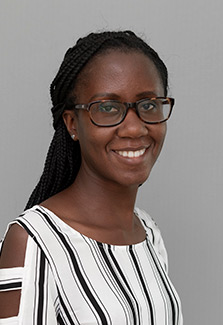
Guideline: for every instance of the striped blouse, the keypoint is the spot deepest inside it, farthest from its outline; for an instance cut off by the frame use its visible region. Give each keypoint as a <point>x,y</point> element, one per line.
<point>71,279</point>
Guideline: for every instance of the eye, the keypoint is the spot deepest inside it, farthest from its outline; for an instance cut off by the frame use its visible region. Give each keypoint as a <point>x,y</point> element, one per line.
<point>108,107</point>
<point>147,105</point>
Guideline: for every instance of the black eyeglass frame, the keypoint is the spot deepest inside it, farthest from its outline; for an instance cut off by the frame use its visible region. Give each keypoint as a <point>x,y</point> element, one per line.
<point>128,105</point>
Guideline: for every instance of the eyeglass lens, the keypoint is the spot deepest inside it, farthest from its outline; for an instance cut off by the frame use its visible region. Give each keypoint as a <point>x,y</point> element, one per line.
<point>110,112</point>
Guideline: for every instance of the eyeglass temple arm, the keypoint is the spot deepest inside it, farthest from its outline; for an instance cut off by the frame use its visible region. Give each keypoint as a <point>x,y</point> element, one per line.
<point>81,106</point>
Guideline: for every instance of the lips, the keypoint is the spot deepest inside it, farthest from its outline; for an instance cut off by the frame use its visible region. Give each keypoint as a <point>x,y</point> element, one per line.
<point>131,153</point>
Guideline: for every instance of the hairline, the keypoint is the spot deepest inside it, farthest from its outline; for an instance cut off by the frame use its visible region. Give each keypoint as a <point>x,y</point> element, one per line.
<point>104,51</point>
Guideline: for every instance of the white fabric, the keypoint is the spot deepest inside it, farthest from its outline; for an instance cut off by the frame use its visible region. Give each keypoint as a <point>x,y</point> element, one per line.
<point>12,277</point>
<point>69,278</point>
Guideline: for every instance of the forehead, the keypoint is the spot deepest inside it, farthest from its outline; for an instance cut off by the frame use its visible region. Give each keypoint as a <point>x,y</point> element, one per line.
<point>120,73</point>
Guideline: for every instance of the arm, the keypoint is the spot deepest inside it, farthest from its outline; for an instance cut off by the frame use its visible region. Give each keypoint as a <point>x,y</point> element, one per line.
<point>12,257</point>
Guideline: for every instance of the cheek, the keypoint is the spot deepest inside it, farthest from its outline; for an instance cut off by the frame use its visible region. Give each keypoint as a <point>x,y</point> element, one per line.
<point>159,135</point>
<point>91,138</point>
<point>162,132</point>
<point>158,131</point>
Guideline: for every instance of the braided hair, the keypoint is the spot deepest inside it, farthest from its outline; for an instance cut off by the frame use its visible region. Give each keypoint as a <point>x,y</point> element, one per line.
<point>64,157</point>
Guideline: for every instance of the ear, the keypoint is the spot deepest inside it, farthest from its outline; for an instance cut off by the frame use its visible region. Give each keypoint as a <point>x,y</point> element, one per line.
<point>70,120</point>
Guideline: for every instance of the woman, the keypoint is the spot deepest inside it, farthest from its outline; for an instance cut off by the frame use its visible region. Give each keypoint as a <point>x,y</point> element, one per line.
<point>81,253</point>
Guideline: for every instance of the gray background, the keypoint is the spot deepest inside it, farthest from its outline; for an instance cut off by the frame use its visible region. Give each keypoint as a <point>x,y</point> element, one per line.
<point>184,192</point>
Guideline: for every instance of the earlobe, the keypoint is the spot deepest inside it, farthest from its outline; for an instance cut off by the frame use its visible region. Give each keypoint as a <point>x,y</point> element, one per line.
<point>69,118</point>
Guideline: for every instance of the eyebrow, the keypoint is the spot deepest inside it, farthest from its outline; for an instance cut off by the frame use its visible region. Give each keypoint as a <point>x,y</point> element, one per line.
<point>101,95</point>
<point>147,94</point>
<point>116,96</point>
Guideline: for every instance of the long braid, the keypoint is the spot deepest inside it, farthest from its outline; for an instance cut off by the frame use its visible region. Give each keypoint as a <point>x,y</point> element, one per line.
<point>61,166</point>
<point>64,158</point>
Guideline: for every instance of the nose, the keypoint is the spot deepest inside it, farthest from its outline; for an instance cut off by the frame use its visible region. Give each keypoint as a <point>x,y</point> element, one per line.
<point>132,126</point>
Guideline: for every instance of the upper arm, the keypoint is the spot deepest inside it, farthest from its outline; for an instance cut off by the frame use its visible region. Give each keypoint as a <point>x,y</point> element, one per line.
<point>12,256</point>
<point>14,247</point>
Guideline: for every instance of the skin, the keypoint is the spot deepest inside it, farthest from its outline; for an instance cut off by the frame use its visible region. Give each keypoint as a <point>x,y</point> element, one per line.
<point>100,202</point>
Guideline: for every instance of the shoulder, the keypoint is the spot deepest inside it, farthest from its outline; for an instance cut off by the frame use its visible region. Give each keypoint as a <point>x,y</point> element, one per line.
<point>150,224</point>
<point>13,247</point>
<point>154,235</point>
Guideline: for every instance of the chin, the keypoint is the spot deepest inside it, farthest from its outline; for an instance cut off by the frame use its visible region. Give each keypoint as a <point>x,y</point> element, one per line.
<point>134,181</point>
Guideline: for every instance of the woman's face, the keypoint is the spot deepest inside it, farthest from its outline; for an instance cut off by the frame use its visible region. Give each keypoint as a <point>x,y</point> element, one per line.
<point>127,77</point>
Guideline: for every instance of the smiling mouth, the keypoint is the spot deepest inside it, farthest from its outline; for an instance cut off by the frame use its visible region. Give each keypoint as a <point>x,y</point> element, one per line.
<point>131,154</point>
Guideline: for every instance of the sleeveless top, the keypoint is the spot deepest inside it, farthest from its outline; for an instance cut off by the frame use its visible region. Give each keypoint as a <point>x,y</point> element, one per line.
<point>71,279</point>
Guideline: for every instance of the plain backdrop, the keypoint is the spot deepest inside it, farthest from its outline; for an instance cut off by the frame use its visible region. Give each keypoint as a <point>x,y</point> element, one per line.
<point>184,192</point>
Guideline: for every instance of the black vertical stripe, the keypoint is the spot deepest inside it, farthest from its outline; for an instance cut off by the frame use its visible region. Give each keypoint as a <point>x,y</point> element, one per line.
<point>65,310</point>
<point>41,289</point>
<point>152,234</point>
<point>60,320</point>
<point>168,288</point>
<point>46,290</point>
<point>124,279</point>
<point>118,281</point>
<point>143,283</point>
<point>77,270</point>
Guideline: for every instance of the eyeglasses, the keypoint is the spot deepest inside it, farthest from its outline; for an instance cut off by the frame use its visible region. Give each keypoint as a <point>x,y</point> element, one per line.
<point>113,112</point>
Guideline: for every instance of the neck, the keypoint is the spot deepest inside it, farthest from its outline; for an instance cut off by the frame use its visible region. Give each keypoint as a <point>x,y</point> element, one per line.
<point>106,204</point>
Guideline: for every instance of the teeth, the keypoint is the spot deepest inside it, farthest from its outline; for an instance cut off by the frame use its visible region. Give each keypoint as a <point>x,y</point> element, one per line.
<point>131,154</point>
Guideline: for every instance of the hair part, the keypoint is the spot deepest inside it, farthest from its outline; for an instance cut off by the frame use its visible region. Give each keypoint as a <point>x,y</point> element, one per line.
<point>64,157</point>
